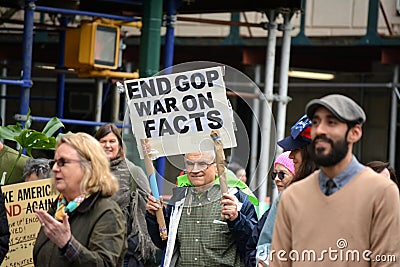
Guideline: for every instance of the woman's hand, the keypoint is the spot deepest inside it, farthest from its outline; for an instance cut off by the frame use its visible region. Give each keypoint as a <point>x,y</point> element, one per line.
<point>152,205</point>
<point>58,232</point>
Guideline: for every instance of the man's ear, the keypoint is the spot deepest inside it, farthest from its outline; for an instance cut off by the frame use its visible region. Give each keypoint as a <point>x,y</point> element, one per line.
<point>355,134</point>
<point>214,166</point>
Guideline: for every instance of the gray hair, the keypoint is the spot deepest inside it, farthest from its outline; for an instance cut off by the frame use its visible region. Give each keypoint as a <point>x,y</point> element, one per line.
<point>40,166</point>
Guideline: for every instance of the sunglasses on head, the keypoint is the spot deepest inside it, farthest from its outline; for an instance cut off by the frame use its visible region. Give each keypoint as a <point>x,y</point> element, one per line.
<point>280,174</point>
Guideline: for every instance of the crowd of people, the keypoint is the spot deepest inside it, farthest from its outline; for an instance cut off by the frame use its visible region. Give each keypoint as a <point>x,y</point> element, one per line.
<point>105,214</point>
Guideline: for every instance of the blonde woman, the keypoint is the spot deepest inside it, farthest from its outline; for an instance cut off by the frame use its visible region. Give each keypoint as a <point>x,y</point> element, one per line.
<point>84,226</point>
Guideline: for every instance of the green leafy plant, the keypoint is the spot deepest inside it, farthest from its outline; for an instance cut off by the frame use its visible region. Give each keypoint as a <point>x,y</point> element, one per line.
<point>29,139</point>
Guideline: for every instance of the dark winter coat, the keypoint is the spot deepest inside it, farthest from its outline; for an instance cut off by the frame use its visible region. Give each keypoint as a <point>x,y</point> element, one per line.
<point>4,229</point>
<point>132,197</point>
<point>99,231</point>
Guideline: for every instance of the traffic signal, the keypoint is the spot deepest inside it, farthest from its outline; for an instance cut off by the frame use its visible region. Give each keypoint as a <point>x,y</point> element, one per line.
<point>94,45</point>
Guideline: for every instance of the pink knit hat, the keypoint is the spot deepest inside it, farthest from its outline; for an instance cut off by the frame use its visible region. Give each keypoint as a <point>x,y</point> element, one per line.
<point>285,161</point>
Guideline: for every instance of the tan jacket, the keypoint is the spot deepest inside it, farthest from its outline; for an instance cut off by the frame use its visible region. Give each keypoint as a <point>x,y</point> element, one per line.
<point>312,229</point>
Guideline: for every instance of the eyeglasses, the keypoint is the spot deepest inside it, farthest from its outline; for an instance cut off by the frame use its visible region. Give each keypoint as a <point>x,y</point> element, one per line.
<point>61,162</point>
<point>281,175</point>
<point>201,165</point>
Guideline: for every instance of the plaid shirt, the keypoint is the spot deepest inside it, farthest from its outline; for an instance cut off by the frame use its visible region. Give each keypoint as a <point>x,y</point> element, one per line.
<point>71,250</point>
<point>203,237</point>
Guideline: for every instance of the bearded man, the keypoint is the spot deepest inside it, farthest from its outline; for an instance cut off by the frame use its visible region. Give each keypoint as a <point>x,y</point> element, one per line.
<point>344,214</point>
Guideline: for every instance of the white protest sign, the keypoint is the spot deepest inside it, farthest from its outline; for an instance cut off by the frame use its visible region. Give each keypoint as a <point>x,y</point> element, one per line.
<point>177,112</point>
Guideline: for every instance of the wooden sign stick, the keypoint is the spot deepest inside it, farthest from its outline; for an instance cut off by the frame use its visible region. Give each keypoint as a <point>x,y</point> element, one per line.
<point>220,161</point>
<point>154,190</point>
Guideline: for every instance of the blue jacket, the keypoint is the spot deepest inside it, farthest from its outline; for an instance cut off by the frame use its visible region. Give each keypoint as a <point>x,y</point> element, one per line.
<point>240,228</point>
<point>265,239</point>
<point>251,246</point>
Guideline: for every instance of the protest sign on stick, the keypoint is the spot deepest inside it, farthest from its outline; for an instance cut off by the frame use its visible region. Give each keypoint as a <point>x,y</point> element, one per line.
<point>175,113</point>
<point>154,190</point>
<point>220,161</point>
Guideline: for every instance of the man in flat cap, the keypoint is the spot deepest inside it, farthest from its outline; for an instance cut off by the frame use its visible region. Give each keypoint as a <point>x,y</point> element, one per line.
<point>345,214</point>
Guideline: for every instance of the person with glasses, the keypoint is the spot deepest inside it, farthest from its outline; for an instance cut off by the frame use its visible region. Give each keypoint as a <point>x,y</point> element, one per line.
<point>84,226</point>
<point>297,143</point>
<point>284,171</point>
<point>131,197</point>
<point>345,214</point>
<point>204,229</point>
<point>283,174</point>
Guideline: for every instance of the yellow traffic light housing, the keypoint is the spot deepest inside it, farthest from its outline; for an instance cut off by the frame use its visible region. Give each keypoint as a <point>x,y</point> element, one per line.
<point>94,45</point>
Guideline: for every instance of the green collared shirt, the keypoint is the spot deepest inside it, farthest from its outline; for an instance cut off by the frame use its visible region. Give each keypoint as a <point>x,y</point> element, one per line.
<point>232,181</point>
<point>203,237</point>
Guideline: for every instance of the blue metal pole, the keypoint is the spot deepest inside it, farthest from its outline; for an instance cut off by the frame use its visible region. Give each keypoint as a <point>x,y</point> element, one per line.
<point>34,98</point>
<point>15,82</point>
<point>61,76</point>
<point>83,13</point>
<point>168,62</point>
<point>170,34</point>
<point>74,122</point>
<point>27,56</point>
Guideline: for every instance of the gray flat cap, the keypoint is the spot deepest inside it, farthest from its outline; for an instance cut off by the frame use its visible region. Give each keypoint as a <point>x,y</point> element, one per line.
<point>344,108</point>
